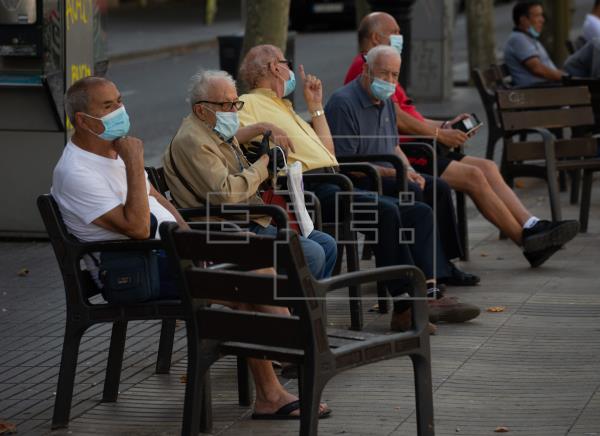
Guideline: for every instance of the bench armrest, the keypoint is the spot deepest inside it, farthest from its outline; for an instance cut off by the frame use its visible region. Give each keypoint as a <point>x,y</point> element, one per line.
<point>226,210</point>
<point>393,159</point>
<point>366,169</point>
<point>378,275</point>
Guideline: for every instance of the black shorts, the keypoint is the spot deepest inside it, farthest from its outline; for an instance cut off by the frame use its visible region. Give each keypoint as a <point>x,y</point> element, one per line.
<point>421,159</point>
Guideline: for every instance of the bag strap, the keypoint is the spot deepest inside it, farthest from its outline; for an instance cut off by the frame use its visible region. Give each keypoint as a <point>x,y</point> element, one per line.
<point>182,179</point>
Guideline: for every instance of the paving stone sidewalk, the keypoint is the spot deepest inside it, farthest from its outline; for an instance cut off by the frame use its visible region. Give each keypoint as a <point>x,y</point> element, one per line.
<point>533,368</point>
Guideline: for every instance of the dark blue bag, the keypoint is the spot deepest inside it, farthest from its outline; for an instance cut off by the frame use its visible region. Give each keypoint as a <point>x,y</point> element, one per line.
<point>129,277</point>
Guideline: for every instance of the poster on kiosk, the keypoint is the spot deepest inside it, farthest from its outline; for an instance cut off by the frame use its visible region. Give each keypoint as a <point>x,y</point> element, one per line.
<point>45,46</point>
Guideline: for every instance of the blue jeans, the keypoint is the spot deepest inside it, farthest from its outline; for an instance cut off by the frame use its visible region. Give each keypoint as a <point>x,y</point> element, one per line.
<point>320,249</point>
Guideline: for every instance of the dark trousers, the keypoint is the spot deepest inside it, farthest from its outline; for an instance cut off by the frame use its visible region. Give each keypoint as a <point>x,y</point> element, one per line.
<point>394,223</point>
<point>444,209</point>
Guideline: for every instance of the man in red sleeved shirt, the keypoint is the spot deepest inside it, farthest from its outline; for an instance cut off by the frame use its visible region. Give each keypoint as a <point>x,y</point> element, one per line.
<point>479,178</point>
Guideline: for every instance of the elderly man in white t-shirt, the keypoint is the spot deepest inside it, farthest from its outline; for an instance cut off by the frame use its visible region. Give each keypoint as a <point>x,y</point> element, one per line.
<point>103,192</point>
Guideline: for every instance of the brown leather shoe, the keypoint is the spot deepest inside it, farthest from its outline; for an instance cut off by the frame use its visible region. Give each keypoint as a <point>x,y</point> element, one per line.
<point>449,309</point>
<point>402,322</point>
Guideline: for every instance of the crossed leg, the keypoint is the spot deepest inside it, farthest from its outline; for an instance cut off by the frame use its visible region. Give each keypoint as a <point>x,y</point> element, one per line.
<point>481,180</point>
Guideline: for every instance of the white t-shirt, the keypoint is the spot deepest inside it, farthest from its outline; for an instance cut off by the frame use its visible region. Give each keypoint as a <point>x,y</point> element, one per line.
<point>86,186</point>
<point>591,27</point>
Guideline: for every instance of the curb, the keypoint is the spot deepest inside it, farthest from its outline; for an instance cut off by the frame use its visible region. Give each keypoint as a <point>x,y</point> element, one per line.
<point>171,49</point>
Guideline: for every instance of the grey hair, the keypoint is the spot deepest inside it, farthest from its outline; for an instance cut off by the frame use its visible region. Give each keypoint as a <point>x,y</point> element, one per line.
<point>201,83</point>
<point>78,95</point>
<point>255,64</point>
<point>380,50</point>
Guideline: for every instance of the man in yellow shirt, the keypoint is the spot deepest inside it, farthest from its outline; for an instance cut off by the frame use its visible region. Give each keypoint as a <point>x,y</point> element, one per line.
<point>269,76</point>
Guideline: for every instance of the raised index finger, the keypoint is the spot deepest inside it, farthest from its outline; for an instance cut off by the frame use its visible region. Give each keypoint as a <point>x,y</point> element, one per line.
<point>301,71</point>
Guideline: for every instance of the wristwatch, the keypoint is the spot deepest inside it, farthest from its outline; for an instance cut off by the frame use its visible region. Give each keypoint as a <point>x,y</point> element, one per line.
<point>317,113</point>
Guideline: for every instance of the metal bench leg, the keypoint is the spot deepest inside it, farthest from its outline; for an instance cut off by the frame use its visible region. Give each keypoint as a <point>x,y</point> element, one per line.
<point>165,346</point>
<point>115,361</point>
<point>197,407</point>
<point>206,418</point>
<point>356,315</point>
<point>575,182</point>
<point>463,228</point>
<point>66,375</point>
<point>382,297</point>
<point>562,181</point>
<point>310,398</point>
<point>244,383</point>
<point>423,394</point>
<point>337,269</point>
<point>586,194</point>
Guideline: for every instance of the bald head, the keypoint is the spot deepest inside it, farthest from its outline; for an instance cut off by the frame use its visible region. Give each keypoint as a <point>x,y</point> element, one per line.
<point>375,29</point>
<point>255,64</point>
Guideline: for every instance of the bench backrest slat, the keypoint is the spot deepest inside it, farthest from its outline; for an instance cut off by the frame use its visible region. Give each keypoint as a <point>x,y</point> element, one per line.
<point>543,97</point>
<point>247,287</point>
<point>548,118</point>
<point>251,327</point>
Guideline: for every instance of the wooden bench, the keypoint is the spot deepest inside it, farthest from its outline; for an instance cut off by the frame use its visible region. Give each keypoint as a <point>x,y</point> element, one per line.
<point>342,230</point>
<point>84,310</point>
<point>302,338</point>
<point>534,111</point>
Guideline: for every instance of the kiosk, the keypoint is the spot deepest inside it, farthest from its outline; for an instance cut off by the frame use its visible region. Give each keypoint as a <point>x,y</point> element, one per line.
<point>45,45</point>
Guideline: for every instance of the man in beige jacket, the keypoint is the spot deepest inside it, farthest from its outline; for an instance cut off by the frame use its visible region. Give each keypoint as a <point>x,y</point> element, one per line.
<point>204,162</point>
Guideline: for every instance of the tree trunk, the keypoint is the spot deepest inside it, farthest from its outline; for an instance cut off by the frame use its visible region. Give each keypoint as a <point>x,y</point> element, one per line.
<point>266,23</point>
<point>557,28</point>
<point>480,33</point>
<point>362,9</point>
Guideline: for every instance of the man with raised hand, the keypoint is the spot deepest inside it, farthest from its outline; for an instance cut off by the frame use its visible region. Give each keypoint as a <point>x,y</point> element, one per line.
<point>270,78</point>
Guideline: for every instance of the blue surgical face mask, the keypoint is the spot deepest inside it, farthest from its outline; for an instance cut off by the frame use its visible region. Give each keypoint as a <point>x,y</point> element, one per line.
<point>227,124</point>
<point>381,89</point>
<point>116,124</point>
<point>397,41</point>
<point>289,85</point>
<point>533,32</point>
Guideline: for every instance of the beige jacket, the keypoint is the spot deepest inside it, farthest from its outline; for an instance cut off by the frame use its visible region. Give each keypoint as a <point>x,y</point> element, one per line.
<point>215,169</point>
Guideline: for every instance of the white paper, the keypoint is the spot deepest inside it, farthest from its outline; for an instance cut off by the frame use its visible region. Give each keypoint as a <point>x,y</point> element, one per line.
<point>296,190</point>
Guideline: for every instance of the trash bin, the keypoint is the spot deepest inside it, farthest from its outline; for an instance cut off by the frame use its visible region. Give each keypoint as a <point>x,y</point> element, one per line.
<point>230,52</point>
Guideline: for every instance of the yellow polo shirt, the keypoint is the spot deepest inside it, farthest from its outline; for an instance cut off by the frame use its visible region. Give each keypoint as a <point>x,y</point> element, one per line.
<point>263,105</point>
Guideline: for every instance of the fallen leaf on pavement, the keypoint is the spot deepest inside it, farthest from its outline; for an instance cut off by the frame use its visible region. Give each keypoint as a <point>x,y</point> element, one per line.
<point>519,184</point>
<point>502,430</point>
<point>496,309</point>
<point>484,254</point>
<point>183,378</point>
<point>23,272</point>
<point>7,427</point>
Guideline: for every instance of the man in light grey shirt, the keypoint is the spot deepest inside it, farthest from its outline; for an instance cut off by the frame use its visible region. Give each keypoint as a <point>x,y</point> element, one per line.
<point>591,25</point>
<point>585,62</point>
<point>526,58</point>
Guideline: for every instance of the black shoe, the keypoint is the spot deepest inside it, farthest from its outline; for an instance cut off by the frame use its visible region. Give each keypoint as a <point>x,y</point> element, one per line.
<point>459,278</point>
<point>537,258</point>
<point>546,234</point>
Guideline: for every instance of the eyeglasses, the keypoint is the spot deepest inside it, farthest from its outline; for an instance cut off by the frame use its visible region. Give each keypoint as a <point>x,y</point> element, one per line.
<point>225,105</point>
<point>285,61</point>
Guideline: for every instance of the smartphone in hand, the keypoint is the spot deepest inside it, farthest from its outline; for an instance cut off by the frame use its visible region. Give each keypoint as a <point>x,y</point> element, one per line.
<point>468,125</point>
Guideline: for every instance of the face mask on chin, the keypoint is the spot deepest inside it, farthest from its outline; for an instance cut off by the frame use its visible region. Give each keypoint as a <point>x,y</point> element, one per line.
<point>116,124</point>
<point>531,30</point>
